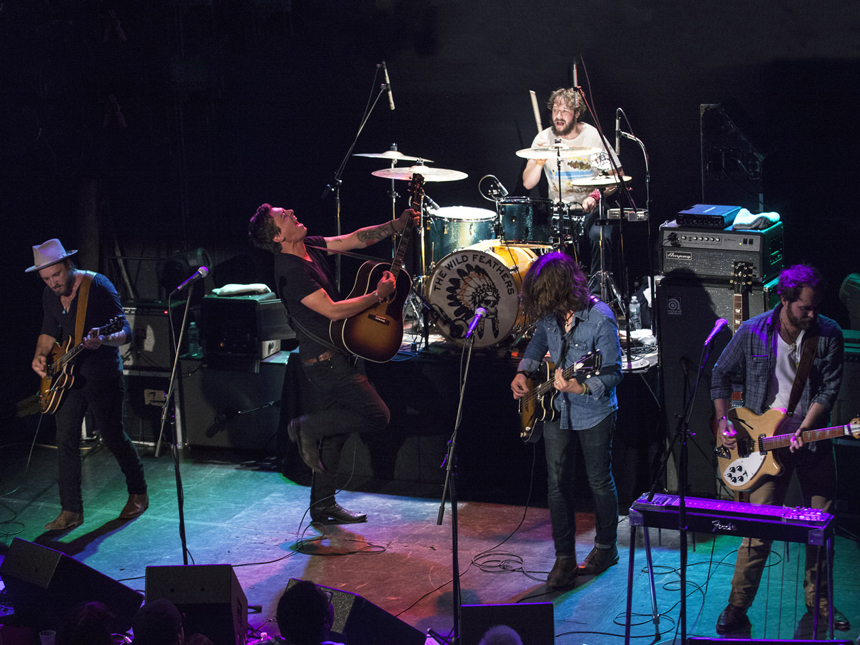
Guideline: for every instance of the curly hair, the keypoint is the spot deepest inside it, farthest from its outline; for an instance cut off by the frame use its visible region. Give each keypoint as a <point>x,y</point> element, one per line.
<point>568,96</point>
<point>554,284</point>
<point>262,229</point>
<point>793,279</point>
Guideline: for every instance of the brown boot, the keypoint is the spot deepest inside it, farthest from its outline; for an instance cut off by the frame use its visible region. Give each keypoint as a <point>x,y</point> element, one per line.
<point>134,507</point>
<point>66,521</point>
<point>563,573</point>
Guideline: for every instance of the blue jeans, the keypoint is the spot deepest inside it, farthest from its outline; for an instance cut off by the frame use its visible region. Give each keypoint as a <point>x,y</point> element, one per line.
<point>345,402</point>
<point>596,444</point>
<point>104,398</point>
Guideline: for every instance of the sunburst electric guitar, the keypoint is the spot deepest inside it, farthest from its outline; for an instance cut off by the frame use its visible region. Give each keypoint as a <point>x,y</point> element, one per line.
<point>536,407</point>
<point>377,332</point>
<point>59,372</point>
<point>758,438</point>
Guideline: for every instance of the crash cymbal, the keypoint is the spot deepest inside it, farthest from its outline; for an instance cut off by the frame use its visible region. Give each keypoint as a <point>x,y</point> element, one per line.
<point>391,154</point>
<point>553,151</point>
<point>600,181</point>
<point>429,174</point>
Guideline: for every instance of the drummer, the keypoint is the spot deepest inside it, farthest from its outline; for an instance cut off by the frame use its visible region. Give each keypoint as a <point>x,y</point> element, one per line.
<point>566,108</point>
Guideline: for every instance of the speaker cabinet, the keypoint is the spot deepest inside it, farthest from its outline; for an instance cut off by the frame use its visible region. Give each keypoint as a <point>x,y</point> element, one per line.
<point>532,622</point>
<point>847,407</point>
<point>44,585</point>
<point>207,595</point>
<point>687,310</point>
<point>360,622</point>
<point>231,409</point>
<point>693,640</point>
<point>150,345</point>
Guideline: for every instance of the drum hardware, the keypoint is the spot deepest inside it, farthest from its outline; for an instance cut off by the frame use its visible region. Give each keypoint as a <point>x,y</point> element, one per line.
<point>638,215</point>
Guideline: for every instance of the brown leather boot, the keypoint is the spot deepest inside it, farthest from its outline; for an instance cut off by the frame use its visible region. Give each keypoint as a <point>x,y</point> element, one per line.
<point>134,507</point>
<point>65,521</point>
<point>563,573</point>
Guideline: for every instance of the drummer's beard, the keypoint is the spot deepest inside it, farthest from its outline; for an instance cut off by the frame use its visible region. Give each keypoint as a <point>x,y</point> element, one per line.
<point>566,131</point>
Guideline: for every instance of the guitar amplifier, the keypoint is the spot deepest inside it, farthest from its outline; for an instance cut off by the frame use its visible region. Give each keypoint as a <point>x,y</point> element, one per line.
<point>712,253</point>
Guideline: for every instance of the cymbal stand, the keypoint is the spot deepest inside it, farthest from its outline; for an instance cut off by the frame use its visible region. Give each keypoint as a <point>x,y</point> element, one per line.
<point>607,284</point>
<point>560,208</point>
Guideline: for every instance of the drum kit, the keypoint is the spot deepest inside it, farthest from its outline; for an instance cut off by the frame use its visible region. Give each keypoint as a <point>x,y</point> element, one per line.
<point>478,257</point>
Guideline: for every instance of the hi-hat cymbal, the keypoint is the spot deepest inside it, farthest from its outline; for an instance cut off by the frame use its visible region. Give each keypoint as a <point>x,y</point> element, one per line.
<point>553,151</point>
<point>391,154</point>
<point>429,174</point>
<point>600,181</point>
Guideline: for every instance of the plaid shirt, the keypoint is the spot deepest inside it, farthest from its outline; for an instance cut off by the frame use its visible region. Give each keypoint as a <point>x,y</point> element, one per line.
<point>750,358</point>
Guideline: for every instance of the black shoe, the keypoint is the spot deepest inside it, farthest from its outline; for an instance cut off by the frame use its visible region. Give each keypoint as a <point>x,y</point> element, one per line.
<point>840,621</point>
<point>563,573</point>
<point>336,514</point>
<point>598,561</point>
<point>733,619</point>
<point>308,448</point>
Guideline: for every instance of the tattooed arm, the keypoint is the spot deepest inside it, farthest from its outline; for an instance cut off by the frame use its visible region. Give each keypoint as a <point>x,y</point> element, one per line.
<point>370,234</point>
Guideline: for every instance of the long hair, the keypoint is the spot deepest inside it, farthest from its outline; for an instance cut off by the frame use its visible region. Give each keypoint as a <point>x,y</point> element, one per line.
<point>554,284</point>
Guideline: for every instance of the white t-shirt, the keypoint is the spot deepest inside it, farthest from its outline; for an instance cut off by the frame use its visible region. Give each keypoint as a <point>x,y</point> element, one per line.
<point>573,168</point>
<point>787,360</point>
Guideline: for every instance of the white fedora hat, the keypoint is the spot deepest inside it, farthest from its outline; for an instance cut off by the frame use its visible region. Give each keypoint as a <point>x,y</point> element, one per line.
<point>48,253</point>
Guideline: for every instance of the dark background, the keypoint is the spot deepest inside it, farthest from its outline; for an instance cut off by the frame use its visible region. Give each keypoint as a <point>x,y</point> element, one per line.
<point>231,103</point>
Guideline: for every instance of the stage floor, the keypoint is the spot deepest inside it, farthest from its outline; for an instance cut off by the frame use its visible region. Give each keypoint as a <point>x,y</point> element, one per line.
<point>245,514</point>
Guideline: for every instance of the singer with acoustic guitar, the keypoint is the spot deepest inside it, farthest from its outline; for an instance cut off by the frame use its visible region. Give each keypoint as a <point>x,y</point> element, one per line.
<point>82,310</point>
<point>346,401</point>
<point>789,361</point>
<point>571,324</point>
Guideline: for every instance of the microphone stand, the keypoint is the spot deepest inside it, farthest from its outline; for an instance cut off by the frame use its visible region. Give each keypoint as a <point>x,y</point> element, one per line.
<point>335,184</point>
<point>174,448</point>
<point>450,485</point>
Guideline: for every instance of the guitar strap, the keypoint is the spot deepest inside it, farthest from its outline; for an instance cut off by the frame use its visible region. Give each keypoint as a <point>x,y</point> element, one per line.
<point>810,344</point>
<point>83,298</point>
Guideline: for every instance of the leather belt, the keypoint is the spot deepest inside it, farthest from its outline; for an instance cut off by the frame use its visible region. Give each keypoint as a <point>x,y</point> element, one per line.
<point>319,359</point>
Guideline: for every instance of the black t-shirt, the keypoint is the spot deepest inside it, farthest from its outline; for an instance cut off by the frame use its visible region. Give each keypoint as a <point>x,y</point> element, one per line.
<point>296,278</point>
<point>102,305</point>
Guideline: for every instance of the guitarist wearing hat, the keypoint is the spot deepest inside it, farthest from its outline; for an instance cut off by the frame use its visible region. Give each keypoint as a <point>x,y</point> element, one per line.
<point>569,324</point>
<point>789,360</point>
<point>74,303</point>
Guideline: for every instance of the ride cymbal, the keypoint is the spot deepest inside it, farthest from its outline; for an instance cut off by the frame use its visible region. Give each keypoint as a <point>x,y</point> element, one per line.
<point>553,151</point>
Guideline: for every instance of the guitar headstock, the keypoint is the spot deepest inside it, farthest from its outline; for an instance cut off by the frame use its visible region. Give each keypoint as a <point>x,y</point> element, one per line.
<point>742,276</point>
<point>416,187</point>
<point>587,366</point>
<point>854,428</point>
<point>115,325</point>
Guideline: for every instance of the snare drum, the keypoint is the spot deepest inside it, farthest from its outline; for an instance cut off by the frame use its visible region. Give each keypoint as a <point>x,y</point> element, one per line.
<point>487,275</point>
<point>456,227</point>
<point>526,220</point>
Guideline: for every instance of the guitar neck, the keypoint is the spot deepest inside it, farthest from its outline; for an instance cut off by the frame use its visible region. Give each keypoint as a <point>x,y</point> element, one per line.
<point>737,311</point>
<point>809,436</point>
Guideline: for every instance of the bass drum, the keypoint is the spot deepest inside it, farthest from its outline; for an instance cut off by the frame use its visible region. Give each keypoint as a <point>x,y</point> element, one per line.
<point>488,275</point>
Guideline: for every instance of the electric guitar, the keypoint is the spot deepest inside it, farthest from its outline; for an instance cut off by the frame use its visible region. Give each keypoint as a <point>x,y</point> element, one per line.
<point>536,407</point>
<point>757,438</point>
<point>59,372</point>
<point>376,333</point>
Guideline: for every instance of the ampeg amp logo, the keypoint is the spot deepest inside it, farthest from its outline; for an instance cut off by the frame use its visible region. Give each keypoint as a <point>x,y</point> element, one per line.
<point>673,306</point>
<point>679,255</point>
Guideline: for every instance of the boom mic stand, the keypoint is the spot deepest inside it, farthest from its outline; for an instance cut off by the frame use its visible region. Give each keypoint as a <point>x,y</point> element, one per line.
<point>336,182</point>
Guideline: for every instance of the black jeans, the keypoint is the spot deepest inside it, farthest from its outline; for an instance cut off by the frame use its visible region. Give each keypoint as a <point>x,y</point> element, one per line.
<point>105,399</point>
<point>345,402</point>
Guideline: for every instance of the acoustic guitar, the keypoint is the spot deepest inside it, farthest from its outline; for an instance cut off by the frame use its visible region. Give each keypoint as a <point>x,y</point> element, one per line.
<point>376,333</point>
<point>757,439</point>
<point>59,372</point>
<point>536,407</point>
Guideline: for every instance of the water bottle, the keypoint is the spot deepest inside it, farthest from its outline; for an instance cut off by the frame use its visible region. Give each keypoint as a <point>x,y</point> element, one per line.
<point>193,339</point>
<point>633,314</point>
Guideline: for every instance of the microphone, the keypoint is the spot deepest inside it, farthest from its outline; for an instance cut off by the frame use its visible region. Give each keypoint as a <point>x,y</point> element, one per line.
<point>431,205</point>
<point>503,192</point>
<point>388,85</point>
<point>721,322</point>
<point>575,88</point>
<point>480,312</point>
<point>202,272</point>
<point>618,132</point>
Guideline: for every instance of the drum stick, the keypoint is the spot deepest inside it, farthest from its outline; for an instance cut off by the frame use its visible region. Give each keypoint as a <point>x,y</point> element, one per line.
<point>536,110</point>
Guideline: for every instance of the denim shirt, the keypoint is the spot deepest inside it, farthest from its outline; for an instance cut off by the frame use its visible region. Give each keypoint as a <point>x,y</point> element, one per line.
<point>750,358</point>
<point>595,328</point>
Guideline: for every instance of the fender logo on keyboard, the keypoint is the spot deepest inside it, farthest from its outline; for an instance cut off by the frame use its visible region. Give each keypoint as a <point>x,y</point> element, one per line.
<point>719,526</point>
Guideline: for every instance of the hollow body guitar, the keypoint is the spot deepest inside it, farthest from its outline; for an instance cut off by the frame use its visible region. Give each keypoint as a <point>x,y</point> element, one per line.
<point>536,407</point>
<point>757,439</point>
<point>376,333</point>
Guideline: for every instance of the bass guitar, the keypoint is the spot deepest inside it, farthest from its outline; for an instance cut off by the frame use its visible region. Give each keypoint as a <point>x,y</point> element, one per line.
<point>59,372</point>
<point>757,439</point>
<point>536,407</point>
<point>376,333</point>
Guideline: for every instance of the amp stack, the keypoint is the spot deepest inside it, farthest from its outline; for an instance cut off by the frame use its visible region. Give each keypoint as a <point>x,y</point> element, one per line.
<point>709,271</point>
